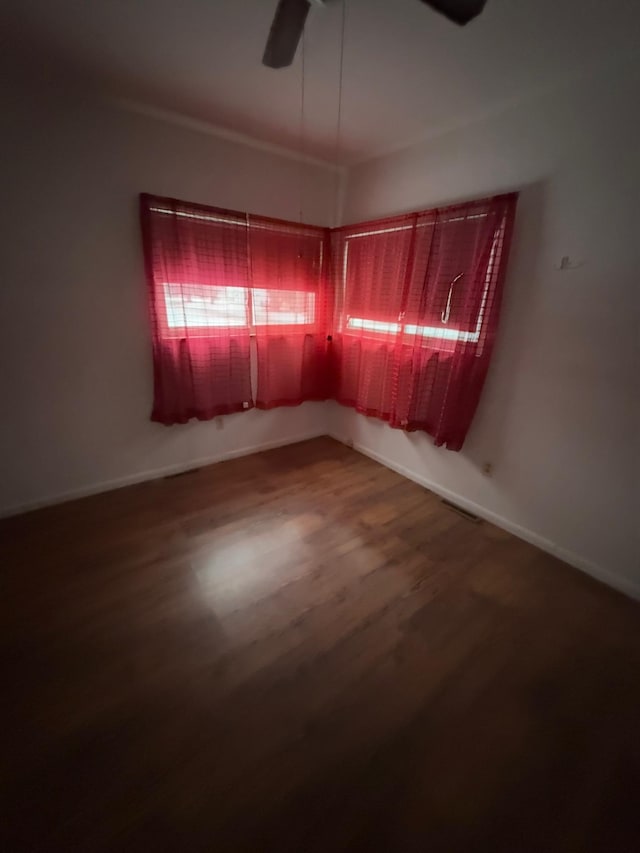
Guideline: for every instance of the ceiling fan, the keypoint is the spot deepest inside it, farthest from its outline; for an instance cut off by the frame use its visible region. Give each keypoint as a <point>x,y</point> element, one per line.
<point>288,24</point>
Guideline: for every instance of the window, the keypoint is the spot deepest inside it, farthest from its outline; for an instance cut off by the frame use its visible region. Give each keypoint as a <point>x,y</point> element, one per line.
<point>192,306</point>
<point>283,307</point>
<point>401,328</point>
<point>433,307</point>
<point>419,301</point>
<point>216,278</point>
<point>276,254</point>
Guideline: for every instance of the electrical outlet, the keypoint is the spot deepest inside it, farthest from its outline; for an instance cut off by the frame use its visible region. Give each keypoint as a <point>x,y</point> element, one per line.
<point>487,469</point>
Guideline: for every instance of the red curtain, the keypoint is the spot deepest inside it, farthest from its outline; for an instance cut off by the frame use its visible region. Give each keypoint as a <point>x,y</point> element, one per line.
<point>197,267</point>
<point>419,299</point>
<point>395,317</point>
<point>291,305</point>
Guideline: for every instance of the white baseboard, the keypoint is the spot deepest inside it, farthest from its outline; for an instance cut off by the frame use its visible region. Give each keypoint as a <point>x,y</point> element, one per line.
<point>621,584</point>
<point>618,583</point>
<point>153,474</point>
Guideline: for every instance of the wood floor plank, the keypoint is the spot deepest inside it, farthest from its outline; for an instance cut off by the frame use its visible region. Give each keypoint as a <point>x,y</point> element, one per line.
<point>302,651</point>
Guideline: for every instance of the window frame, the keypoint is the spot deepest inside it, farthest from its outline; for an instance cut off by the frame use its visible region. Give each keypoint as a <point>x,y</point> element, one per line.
<point>444,338</point>
<point>181,332</point>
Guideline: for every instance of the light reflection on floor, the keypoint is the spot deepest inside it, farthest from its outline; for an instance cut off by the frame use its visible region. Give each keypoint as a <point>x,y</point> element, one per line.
<point>235,569</point>
<point>262,564</point>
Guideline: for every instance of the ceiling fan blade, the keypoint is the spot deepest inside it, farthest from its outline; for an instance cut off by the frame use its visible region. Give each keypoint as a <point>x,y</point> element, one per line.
<point>285,32</point>
<point>460,11</point>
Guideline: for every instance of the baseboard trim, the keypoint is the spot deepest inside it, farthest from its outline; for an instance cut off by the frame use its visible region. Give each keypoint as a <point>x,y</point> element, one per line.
<point>601,574</point>
<point>153,474</point>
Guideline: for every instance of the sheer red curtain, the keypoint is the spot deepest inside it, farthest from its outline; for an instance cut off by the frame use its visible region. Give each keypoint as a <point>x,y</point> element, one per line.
<point>395,317</point>
<point>372,264</point>
<point>291,308</point>
<point>419,304</point>
<point>197,268</point>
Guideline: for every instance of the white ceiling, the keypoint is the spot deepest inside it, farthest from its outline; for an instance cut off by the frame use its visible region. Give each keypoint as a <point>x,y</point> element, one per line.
<point>408,72</point>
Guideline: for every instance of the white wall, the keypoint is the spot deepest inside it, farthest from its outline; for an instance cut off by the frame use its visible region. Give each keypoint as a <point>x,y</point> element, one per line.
<point>75,352</point>
<point>559,417</point>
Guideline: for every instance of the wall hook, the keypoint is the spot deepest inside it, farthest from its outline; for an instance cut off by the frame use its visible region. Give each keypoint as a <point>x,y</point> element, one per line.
<point>567,264</point>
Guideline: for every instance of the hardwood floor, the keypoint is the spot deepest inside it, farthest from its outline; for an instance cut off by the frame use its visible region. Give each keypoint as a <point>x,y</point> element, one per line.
<point>302,651</point>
